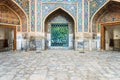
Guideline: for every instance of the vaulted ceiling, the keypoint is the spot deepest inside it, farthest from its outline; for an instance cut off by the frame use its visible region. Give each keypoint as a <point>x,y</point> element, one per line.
<point>111,6</point>
<point>16,8</point>
<point>13,6</point>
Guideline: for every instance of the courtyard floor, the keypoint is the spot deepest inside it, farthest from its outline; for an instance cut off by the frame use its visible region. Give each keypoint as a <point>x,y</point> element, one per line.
<point>60,65</point>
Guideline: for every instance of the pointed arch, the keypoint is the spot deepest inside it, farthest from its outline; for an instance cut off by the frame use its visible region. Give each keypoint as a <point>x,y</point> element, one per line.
<point>107,15</point>
<point>20,8</point>
<point>58,9</point>
<point>92,18</point>
<point>16,16</point>
<point>98,11</point>
<point>58,12</point>
<point>75,23</point>
<point>19,11</point>
<point>25,24</point>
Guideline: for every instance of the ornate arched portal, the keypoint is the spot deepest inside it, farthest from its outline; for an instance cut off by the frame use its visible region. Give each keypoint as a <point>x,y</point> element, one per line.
<point>105,25</point>
<point>59,30</point>
<point>13,19</point>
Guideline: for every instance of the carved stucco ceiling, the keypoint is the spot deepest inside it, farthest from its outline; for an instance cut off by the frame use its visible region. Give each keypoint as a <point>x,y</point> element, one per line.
<point>13,6</point>
<point>111,6</point>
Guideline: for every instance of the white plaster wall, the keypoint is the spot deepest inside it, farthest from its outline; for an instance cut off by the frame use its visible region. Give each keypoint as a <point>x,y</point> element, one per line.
<point>107,40</point>
<point>71,40</point>
<point>98,41</point>
<point>117,32</point>
<point>95,43</point>
<point>19,41</point>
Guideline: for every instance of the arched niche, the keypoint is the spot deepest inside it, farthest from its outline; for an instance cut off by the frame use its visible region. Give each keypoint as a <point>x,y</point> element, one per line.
<point>106,14</point>
<point>105,18</point>
<point>12,6</point>
<point>58,18</point>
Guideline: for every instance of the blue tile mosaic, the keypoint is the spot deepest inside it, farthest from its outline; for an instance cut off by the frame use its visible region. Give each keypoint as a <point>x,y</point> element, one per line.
<point>38,15</point>
<point>85,15</point>
<point>32,16</point>
<point>95,5</point>
<point>24,4</point>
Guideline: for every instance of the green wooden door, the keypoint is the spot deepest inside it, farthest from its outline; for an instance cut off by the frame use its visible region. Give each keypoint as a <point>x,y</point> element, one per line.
<point>59,35</point>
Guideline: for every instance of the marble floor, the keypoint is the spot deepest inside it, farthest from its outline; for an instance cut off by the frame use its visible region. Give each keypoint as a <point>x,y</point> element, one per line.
<point>60,65</point>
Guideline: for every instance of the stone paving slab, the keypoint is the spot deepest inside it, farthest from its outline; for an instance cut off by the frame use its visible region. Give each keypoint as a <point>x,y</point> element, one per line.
<point>60,65</point>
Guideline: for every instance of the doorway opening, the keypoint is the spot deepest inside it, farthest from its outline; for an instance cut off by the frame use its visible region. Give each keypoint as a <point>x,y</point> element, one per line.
<point>110,36</point>
<point>7,38</point>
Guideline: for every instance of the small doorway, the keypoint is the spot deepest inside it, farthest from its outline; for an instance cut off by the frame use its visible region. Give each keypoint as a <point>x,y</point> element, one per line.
<point>59,35</point>
<point>110,36</point>
<point>7,38</point>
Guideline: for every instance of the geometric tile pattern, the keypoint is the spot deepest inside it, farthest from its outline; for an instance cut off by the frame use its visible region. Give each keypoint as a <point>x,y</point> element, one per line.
<point>71,8</point>
<point>95,5</point>
<point>32,16</point>
<point>85,15</point>
<point>11,4</point>
<point>47,8</point>
<point>38,15</point>
<point>80,16</point>
<point>24,4</point>
<point>111,16</point>
<point>68,5</point>
<point>8,17</point>
<point>110,13</point>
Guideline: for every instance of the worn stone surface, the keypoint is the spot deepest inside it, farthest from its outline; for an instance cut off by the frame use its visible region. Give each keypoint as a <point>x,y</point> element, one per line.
<point>60,65</point>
